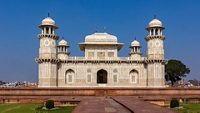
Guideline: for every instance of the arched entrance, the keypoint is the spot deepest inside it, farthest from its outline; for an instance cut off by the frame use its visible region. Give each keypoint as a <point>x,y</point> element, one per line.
<point>133,76</point>
<point>102,77</point>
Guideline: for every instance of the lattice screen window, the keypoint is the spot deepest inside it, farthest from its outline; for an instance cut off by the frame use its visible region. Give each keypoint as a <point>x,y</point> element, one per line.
<point>133,79</point>
<point>101,55</point>
<point>114,78</point>
<point>90,54</point>
<point>110,54</point>
<point>133,76</point>
<point>89,78</point>
<point>70,78</point>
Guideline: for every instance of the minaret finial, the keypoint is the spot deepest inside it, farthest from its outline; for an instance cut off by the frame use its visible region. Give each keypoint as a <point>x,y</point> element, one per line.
<point>48,14</point>
<point>96,29</point>
<point>154,16</point>
<point>105,29</point>
<point>135,37</point>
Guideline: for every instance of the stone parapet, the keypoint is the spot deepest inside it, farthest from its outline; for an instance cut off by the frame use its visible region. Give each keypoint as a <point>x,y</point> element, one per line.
<point>103,91</point>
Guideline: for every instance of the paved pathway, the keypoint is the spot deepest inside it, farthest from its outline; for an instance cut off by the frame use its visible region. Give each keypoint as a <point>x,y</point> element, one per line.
<point>99,105</point>
<point>118,105</point>
<point>139,106</point>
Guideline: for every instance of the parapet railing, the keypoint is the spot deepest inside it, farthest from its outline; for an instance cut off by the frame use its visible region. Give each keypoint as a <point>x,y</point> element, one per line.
<point>108,58</point>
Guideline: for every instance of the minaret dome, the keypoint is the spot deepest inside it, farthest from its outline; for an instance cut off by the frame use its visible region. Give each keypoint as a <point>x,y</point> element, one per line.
<point>48,21</point>
<point>135,43</point>
<point>63,43</point>
<point>155,23</point>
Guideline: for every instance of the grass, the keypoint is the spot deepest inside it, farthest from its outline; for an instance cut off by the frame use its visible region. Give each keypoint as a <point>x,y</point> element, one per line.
<point>188,108</point>
<point>31,108</point>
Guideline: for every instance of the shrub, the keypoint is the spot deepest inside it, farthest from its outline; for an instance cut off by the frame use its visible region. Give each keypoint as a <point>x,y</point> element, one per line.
<point>174,103</point>
<point>39,107</point>
<point>49,104</point>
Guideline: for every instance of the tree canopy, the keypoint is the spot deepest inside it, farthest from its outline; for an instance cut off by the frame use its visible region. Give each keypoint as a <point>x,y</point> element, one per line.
<point>175,70</point>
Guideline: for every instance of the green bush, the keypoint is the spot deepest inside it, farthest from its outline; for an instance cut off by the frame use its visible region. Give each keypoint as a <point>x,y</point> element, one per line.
<point>39,107</point>
<point>49,104</point>
<point>174,103</point>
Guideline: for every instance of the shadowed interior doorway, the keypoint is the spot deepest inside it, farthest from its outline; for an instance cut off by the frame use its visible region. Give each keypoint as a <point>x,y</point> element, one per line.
<point>102,77</point>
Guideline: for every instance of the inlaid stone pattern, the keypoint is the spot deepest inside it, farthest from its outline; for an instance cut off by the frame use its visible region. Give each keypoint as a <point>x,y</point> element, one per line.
<point>100,66</point>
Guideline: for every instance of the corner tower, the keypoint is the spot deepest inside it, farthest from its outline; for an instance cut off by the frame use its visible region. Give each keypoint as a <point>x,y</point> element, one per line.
<point>155,53</point>
<point>135,50</point>
<point>47,59</point>
<point>62,50</point>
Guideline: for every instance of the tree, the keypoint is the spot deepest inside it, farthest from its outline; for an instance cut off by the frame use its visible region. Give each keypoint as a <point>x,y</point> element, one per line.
<point>175,70</point>
<point>1,82</point>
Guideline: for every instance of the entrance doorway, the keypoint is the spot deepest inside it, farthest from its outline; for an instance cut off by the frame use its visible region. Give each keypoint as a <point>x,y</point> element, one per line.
<point>102,77</point>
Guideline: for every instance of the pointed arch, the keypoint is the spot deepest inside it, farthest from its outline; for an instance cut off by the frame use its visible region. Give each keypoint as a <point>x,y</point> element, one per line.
<point>69,76</point>
<point>133,76</point>
<point>102,76</point>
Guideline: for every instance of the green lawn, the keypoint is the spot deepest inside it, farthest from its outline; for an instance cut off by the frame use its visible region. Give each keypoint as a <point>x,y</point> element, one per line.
<point>189,108</point>
<point>30,108</point>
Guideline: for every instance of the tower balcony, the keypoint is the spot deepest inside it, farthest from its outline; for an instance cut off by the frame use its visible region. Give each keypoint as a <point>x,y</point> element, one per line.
<point>54,36</point>
<point>149,37</point>
<point>51,60</point>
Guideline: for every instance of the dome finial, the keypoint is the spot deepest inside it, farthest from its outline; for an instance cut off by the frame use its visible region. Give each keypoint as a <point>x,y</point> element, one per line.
<point>96,29</point>
<point>135,37</point>
<point>48,14</point>
<point>155,23</point>
<point>105,29</point>
<point>154,17</point>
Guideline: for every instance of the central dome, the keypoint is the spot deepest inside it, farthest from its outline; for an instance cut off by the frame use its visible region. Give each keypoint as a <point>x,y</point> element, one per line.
<point>101,37</point>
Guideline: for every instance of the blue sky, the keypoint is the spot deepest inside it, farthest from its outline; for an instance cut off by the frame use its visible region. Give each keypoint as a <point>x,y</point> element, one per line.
<point>127,19</point>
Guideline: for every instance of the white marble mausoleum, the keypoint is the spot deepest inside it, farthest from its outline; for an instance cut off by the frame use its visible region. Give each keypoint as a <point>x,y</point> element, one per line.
<point>100,66</point>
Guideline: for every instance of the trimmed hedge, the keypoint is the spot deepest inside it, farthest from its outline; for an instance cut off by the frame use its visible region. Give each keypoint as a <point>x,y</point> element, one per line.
<point>49,104</point>
<point>174,103</point>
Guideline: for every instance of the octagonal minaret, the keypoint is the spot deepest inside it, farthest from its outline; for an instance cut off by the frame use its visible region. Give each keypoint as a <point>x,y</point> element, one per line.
<point>47,53</point>
<point>155,53</point>
<point>135,53</point>
<point>155,38</point>
<point>62,50</point>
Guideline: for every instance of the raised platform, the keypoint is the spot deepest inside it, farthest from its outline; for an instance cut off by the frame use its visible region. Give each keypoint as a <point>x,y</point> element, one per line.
<point>147,93</point>
<point>99,91</point>
<point>101,99</point>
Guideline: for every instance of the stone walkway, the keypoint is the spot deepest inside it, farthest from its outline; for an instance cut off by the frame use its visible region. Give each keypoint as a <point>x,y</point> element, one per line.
<point>140,106</point>
<point>99,105</point>
<point>118,105</point>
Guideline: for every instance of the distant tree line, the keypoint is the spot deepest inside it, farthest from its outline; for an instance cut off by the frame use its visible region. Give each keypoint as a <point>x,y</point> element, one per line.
<point>1,82</point>
<point>194,82</point>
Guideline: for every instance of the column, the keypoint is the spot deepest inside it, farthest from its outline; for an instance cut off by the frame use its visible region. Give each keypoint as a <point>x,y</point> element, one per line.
<point>44,30</point>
